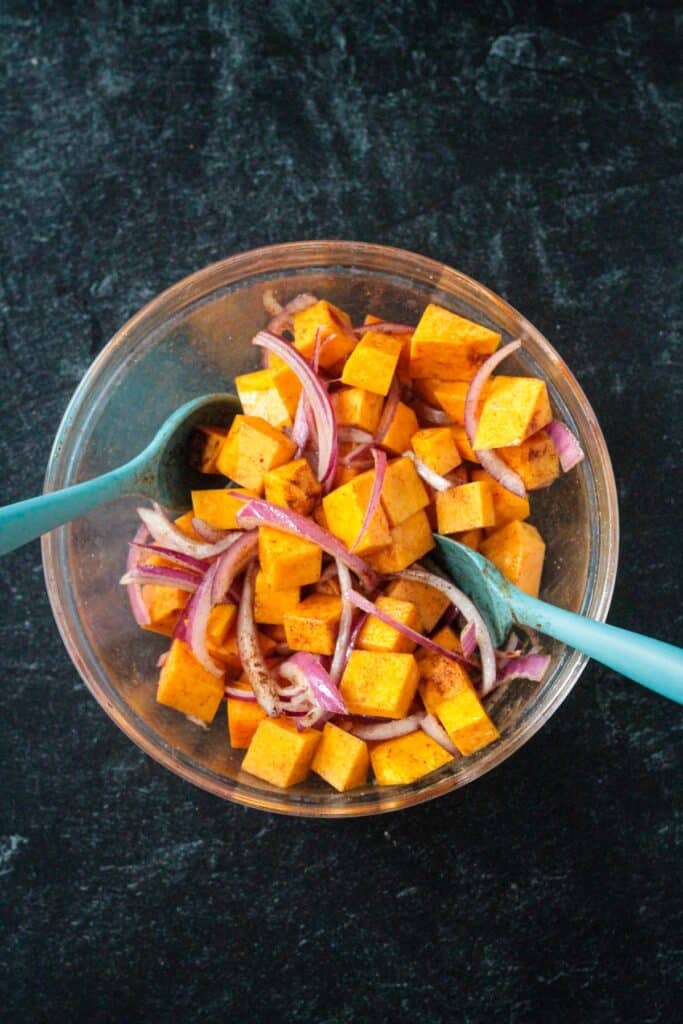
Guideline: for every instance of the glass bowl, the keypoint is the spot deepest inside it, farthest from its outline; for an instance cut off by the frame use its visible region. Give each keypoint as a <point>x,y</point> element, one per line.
<point>194,339</point>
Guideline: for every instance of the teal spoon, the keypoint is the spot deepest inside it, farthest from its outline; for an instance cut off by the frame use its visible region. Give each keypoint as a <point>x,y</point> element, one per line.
<point>161,471</point>
<point>652,663</point>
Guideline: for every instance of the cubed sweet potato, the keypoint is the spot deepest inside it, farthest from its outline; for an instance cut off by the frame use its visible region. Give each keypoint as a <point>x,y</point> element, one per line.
<point>336,337</point>
<point>218,508</point>
<point>408,758</point>
<point>251,448</point>
<point>535,460</point>
<point>293,486</point>
<point>279,754</point>
<point>288,561</point>
<point>341,759</point>
<point>518,551</point>
<point>381,685</point>
<point>356,407</point>
<point>270,605</point>
<point>436,447</point>
<point>430,602</point>
<point>186,686</point>
<point>410,540</point>
<point>312,625</point>
<point>467,507</point>
<point>449,346</point>
<point>515,408</point>
<point>376,635</point>
<point>373,362</point>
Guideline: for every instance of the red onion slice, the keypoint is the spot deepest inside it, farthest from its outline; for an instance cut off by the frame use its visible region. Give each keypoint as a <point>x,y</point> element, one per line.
<point>434,479</point>
<point>428,414</point>
<point>232,563</point>
<point>423,641</point>
<point>383,327</point>
<point>253,663</point>
<point>317,396</point>
<point>303,669</point>
<point>199,565</point>
<point>301,429</point>
<point>354,435</point>
<point>492,463</point>
<point>389,410</point>
<point>340,656</point>
<point>471,613</point>
<point>261,513</point>
<point>162,659</point>
<point>137,604</point>
<point>389,730</point>
<point>436,731</point>
<point>567,446</point>
<point>282,315</point>
<point>163,576</point>
<point>468,640</point>
<point>380,461</point>
<point>206,532</point>
<point>197,619</point>
<point>235,693</point>
<point>167,534</point>
<point>529,666</point>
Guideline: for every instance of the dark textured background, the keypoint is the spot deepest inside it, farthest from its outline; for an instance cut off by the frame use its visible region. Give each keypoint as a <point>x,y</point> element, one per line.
<point>532,145</point>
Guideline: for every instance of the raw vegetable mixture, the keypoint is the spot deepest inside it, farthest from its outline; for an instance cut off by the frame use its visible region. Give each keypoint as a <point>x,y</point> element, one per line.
<point>297,591</point>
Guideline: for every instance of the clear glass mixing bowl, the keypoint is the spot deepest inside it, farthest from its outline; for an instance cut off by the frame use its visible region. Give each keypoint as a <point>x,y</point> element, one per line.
<point>193,339</point>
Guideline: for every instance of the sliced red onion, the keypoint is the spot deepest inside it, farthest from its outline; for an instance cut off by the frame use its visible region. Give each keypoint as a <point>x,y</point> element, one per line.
<point>262,513</point>
<point>282,317</point>
<point>389,410</point>
<point>232,563</point>
<point>236,693</point>
<point>468,640</point>
<point>254,665</point>
<point>471,614</point>
<point>380,461</point>
<point>490,461</point>
<point>206,532</point>
<point>163,575</point>
<point>389,730</point>
<point>345,624</point>
<point>197,620</point>
<point>318,398</point>
<point>529,666</point>
<point>360,452</point>
<point>435,480</point>
<point>436,731</point>
<point>166,533</point>
<point>162,659</point>
<point>301,302</point>
<point>423,641</point>
<point>199,565</point>
<point>270,302</point>
<point>567,446</point>
<point>428,414</point>
<point>317,349</point>
<point>303,670</point>
<point>383,327</point>
<point>354,435</point>
<point>137,605</point>
<point>301,429</point>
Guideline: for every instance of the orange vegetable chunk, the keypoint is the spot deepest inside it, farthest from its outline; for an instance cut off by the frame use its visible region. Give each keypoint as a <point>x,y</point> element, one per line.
<point>206,444</point>
<point>430,602</point>
<point>376,635</point>
<point>279,754</point>
<point>251,448</point>
<point>410,540</point>
<point>408,758</point>
<point>436,447</point>
<point>518,551</point>
<point>218,508</point>
<point>270,605</point>
<point>164,605</point>
<point>312,625</point>
<point>293,486</point>
<point>381,685</point>
<point>373,362</point>
<point>186,686</point>
<point>515,408</point>
<point>535,460</point>
<point>466,507</point>
<point>357,407</point>
<point>449,346</point>
<point>337,338</point>
<point>506,505</point>
<point>286,560</point>
<point>244,718</point>
<point>341,759</point>
<point>401,429</point>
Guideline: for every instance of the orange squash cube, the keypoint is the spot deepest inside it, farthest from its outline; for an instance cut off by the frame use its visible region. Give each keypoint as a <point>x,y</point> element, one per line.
<point>356,407</point>
<point>449,346</point>
<point>448,638</point>
<point>403,493</point>
<point>440,678</point>
<point>279,754</point>
<point>313,624</point>
<point>206,444</point>
<point>270,605</point>
<point>376,635</point>
<point>436,447</point>
<point>225,652</point>
<point>426,387</point>
<point>345,508</point>
<point>373,362</point>
<point>186,686</point>
<point>221,620</point>
<point>218,508</point>
<point>288,561</point>
<point>447,692</point>
<point>401,429</point>
<point>381,685</point>
<point>401,761</point>
<point>260,396</point>
<point>337,338</point>
<point>518,551</point>
<point>515,408</point>
<point>506,505</point>
<point>244,718</point>
<point>164,605</point>
<point>470,538</point>
<point>184,524</point>
<point>430,602</point>
<point>466,507</point>
<point>463,444</point>
<point>341,759</point>
<point>535,460</point>
<point>410,540</point>
<point>293,486</point>
<point>251,448</point>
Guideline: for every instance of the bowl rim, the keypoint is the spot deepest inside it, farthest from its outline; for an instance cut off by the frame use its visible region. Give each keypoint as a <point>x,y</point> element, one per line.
<point>237,790</point>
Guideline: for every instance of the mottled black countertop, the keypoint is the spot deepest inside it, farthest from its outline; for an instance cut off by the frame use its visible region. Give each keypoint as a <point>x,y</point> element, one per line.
<point>531,145</point>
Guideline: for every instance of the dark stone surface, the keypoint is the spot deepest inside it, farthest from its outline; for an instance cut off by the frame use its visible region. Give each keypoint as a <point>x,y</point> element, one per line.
<point>532,145</point>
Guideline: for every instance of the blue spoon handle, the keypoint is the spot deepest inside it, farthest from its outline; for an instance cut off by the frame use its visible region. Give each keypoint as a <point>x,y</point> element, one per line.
<point>652,663</point>
<point>26,520</point>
